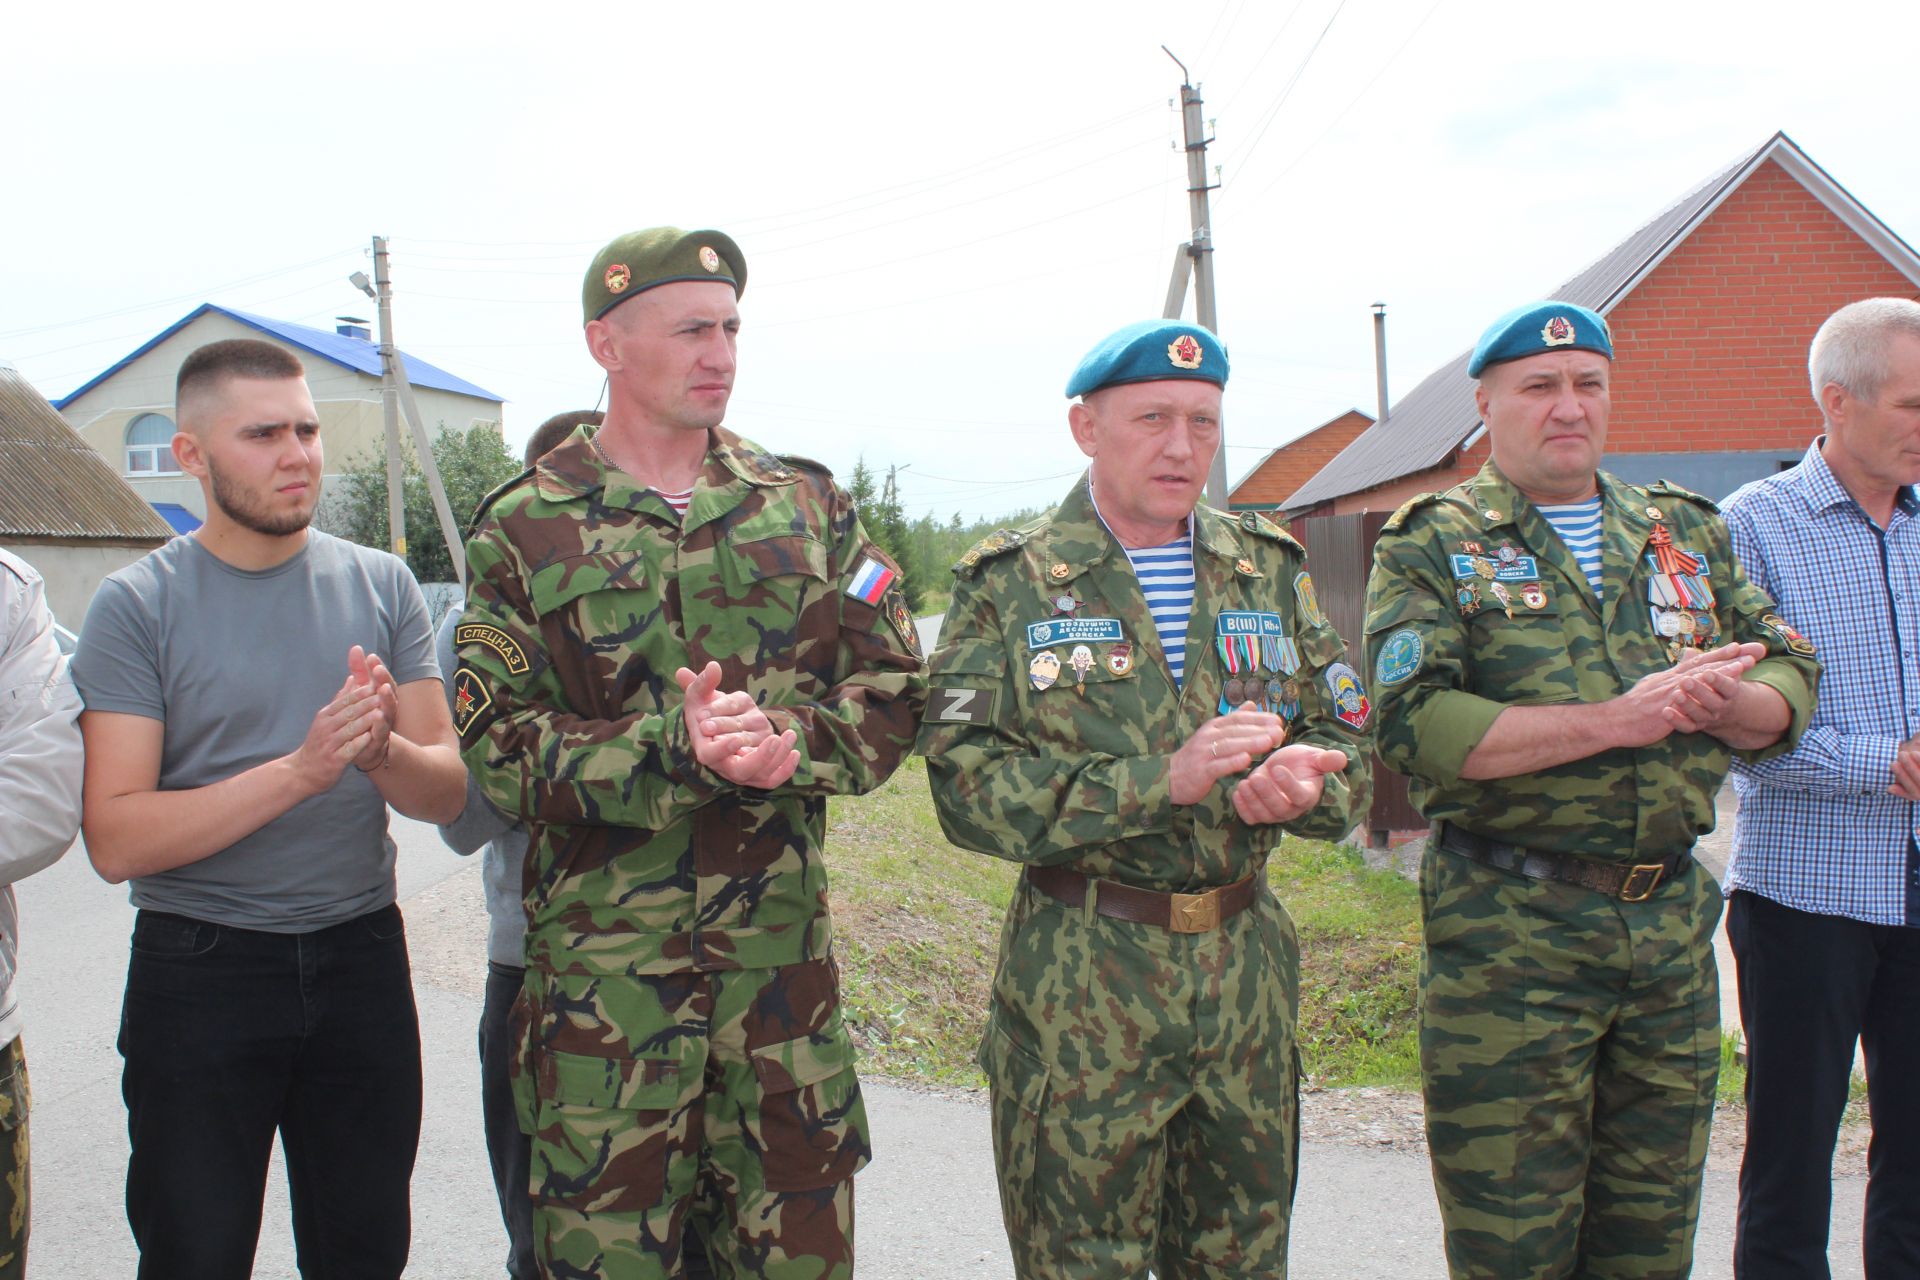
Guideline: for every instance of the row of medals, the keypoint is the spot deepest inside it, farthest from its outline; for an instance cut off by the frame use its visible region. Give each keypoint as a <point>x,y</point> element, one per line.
<point>1683,628</point>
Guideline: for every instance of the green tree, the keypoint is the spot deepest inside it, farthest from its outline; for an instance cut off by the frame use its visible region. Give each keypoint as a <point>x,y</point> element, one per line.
<point>472,464</point>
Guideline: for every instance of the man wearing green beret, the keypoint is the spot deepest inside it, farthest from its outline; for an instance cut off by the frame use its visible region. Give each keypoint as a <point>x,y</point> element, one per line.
<point>676,647</point>
<point>1135,697</point>
<point>1565,665</point>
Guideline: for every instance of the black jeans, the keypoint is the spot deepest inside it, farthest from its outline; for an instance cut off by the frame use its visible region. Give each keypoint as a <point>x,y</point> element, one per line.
<point>509,1151</point>
<point>230,1035</point>
<point>1809,985</point>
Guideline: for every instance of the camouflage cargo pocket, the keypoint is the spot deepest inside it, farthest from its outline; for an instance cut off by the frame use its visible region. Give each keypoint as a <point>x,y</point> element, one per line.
<point>610,1137</point>
<point>1020,1087</point>
<point>812,1124</point>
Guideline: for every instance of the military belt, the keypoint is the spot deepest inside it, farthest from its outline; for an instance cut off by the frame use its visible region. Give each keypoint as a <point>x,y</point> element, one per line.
<point>1176,912</point>
<point>1627,882</point>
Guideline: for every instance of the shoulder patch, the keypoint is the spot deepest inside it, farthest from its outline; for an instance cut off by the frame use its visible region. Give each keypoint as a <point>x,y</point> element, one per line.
<point>1407,508</point>
<point>1260,526</point>
<point>486,503</point>
<point>801,463</point>
<point>997,543</point>
<point>1667,488</point>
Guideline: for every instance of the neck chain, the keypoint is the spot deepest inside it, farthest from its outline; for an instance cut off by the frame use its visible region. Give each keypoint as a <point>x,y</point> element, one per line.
<point>601,449</point>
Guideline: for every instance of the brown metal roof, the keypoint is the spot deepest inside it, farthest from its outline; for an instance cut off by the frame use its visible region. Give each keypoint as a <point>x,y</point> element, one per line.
<point>1437,416</point>
<point>54,485</point>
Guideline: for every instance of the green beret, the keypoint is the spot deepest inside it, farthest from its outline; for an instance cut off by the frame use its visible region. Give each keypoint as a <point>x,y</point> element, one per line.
<point>1151,351</point>
<point>639,260</point>
<point>1537,327</point>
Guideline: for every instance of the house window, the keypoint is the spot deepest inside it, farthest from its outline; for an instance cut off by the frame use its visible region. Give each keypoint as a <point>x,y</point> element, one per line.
<point>150,446</point>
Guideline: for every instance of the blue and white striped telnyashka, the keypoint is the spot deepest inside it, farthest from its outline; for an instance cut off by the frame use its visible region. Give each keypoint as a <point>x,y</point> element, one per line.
<point>1817,829</point>
<point>1166,580</point>
<point>1578,524</point>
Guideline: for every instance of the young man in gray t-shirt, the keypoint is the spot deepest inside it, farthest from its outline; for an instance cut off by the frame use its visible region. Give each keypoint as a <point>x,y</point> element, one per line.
<point>231,678</point>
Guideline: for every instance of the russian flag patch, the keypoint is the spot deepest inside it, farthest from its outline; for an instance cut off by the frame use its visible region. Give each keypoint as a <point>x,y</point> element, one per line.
<point>870,581</point>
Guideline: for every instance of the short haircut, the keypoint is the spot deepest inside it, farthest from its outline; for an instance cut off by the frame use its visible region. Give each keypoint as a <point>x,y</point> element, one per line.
<point>216,362</point>
<point>1851,349</point>
<point>547,436</point>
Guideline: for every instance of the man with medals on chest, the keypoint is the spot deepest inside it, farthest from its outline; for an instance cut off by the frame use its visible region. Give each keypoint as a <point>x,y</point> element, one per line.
<point>1134,697</point>
<point>1565,666</point>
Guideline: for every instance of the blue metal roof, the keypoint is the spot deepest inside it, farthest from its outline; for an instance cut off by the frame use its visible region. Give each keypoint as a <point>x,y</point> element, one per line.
<point>182,520</point>
<point>354,353</point>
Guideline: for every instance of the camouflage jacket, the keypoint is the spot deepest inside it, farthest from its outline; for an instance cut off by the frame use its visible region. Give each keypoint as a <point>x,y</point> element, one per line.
<point>585,594</point>
<point>1076,772</point>
<point>1446,656</point>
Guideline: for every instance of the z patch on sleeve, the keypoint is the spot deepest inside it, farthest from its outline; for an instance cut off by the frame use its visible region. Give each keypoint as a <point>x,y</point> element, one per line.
<point>959,706</point>
<point>495,639</point>
<point>470,699</point>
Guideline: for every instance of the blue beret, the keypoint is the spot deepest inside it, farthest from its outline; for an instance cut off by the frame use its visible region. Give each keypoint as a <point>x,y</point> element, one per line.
<point>1150,351</point>
<point>1537,327</point>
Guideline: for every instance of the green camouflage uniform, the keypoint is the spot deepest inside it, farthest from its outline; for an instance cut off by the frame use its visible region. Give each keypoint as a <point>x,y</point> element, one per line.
<point>1569,1040</point>
<point>681,1024</point>
<point>1144,1081</point>
<point>15,1174</point>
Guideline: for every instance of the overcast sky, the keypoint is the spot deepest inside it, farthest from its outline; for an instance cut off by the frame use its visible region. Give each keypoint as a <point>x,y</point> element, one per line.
<point>941,207</point>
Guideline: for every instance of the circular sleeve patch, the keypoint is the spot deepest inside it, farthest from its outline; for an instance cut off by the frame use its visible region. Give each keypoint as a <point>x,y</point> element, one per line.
<point>1399,658</point>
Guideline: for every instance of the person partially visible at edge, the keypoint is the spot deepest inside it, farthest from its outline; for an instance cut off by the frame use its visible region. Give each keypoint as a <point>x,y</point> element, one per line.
<point>257,694</point>
<point>40,764</point>
<point>1565,665</point>
<point>1824,887</point>
<point>1135,697</point>
<point>676,647</point>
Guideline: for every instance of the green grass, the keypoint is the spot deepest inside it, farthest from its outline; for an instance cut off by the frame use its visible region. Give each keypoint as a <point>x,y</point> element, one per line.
<point>917,928</point>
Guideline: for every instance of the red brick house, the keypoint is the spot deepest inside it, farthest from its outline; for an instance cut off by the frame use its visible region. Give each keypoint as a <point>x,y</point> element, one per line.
<point>1712,306</point>
<point>1278,475</point>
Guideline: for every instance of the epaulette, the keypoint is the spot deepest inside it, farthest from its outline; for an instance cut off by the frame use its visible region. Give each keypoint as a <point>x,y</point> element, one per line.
<point>1258,525</point>
<point>1668,488</point>
<point>997,543</point>
<point>1407,508</point>
<point>803,463</point>
<point>486,503</point>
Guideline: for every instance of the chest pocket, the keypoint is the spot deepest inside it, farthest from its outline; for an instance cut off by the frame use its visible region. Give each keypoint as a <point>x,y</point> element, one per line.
<point>604,599</point>
<point>1523,658</point>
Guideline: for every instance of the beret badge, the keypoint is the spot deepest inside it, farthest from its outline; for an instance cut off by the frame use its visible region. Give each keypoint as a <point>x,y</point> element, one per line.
<point>1558,332</point>
<point>1184,352</point>
<point>617,277</point>
<point>709,259</point>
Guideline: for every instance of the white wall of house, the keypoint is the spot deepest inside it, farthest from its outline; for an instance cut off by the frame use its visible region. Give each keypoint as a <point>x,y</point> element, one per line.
<point>73,572</point>
<point>351,422</point>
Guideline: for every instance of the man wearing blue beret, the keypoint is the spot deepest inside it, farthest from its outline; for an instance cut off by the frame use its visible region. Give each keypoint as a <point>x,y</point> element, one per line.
<point>1565,665</point>
<point>1134,697</point>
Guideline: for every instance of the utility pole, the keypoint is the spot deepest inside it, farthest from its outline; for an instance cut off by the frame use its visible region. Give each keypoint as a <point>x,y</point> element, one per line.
<point>390,402</point>
<point>1195,257</point>
<point>396,395</point>
<point>1380,358</point>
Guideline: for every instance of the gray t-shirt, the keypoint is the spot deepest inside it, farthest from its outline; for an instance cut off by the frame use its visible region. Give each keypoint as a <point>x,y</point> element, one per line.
<point>235,663</point>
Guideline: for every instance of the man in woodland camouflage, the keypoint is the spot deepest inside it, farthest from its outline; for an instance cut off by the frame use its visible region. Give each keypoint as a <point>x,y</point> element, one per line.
<point>1564,664</point>
<point>1110,700</point>
<point>676,647</point>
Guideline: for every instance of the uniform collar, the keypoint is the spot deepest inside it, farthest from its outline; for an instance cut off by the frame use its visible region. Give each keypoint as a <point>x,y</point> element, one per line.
<point>1499,503</point>
<point>1078,538</point>
<point>576,469</point>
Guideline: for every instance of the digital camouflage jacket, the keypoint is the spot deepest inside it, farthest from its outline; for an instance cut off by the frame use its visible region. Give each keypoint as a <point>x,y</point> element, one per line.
<point>1053,712</point>
<point>585,594</point>
<point>1475,604</point>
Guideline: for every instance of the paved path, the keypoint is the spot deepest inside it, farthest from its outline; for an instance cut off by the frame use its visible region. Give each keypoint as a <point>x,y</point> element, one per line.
<point>927,1206</point>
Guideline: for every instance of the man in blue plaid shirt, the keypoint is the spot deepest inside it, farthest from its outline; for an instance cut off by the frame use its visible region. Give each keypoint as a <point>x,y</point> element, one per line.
<point>1825,879</point>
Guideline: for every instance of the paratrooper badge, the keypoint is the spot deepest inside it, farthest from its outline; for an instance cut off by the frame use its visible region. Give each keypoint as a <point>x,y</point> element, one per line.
<point>1081,660</point>
<point>1468,598</point>
<point>709,259</point>
<point>617,277</point>
<point>1185,352</point>
<point>1504,596</point>
<point>1043,670</point>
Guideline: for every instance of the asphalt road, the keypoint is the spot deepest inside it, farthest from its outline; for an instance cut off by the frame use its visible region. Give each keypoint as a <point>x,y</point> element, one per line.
<point>927,1204</point>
